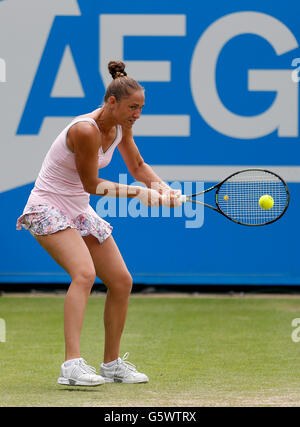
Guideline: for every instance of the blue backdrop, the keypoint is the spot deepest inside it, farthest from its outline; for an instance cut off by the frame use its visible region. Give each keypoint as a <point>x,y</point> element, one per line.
<point>221,95</point>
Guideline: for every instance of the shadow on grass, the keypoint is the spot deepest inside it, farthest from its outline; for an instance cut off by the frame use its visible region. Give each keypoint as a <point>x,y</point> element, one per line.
<point>89,389</point>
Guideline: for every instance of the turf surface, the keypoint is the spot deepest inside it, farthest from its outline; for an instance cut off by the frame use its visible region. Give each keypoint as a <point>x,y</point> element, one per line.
<point>196,350</point>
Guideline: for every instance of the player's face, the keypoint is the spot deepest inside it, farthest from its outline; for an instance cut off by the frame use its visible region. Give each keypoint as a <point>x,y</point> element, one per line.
<point>128,110</point>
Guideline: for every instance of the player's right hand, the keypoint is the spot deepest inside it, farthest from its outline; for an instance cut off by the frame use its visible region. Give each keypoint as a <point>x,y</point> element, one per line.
<point>149,197</point>
<point>172,199</point>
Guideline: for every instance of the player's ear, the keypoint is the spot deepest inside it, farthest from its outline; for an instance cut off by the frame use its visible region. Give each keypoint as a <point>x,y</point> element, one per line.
<point>112,100</point>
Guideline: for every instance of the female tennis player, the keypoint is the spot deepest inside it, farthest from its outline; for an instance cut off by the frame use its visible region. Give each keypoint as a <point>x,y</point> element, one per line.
<point>59,216</point>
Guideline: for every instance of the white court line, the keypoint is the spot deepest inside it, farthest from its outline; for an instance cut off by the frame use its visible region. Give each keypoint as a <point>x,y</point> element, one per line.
<point>218,173</point>
<point>2,330</point>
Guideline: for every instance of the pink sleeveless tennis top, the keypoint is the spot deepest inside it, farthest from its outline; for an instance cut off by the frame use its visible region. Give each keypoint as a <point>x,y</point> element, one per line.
<point>58,183</point>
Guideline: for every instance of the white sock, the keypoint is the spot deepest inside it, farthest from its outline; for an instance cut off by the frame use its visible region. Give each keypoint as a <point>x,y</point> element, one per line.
<point>110,364</point>
<point>70,361</point>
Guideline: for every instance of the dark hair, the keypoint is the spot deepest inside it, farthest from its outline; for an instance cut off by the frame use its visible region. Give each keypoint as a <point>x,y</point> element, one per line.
<point>122,86</point>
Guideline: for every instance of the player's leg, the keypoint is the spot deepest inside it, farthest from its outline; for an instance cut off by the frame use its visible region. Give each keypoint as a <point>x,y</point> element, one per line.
<point>111,269</point>
<point>69,250</point>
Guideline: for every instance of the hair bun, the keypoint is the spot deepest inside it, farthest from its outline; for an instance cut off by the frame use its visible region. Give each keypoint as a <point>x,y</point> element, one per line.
<point>117,69</point>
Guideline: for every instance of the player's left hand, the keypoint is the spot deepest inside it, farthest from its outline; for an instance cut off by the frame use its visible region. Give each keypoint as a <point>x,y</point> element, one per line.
<point>171,198</point>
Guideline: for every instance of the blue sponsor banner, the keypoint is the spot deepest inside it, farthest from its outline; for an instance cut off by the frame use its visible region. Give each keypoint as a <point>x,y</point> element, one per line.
<point>222,94</point>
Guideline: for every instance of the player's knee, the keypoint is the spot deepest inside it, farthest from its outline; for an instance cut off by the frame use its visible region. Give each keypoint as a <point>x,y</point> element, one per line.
<point>85,277</point>
<point>122,286</point>
<point>128,284</point>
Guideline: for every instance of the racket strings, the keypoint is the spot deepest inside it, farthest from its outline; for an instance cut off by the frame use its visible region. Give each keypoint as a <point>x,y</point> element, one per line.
<point>239,196</point>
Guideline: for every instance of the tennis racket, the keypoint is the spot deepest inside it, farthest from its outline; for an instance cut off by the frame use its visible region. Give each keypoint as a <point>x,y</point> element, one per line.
<point>237,197</point>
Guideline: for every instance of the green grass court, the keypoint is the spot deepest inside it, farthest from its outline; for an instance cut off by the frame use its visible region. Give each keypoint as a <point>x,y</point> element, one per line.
<point>198,350</point>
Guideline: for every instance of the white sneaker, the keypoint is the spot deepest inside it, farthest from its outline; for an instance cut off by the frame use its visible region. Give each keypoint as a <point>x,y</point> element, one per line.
<point>122,372</point>
<point>78,372</point>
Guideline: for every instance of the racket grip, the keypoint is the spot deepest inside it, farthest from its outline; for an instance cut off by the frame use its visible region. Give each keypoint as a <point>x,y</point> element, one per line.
<point>177,202</point>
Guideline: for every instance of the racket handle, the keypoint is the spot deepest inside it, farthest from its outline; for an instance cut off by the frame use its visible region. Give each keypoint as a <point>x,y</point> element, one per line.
<point>177,202</point>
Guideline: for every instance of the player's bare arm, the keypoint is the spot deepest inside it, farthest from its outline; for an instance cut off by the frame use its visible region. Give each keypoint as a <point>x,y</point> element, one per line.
<point>139,169</point>
<point>85,141</point>
<point>135,163</point>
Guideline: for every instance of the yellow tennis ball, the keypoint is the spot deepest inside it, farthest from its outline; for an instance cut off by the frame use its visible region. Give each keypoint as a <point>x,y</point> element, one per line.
<point>226,197</point>
<point>266,202</point>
